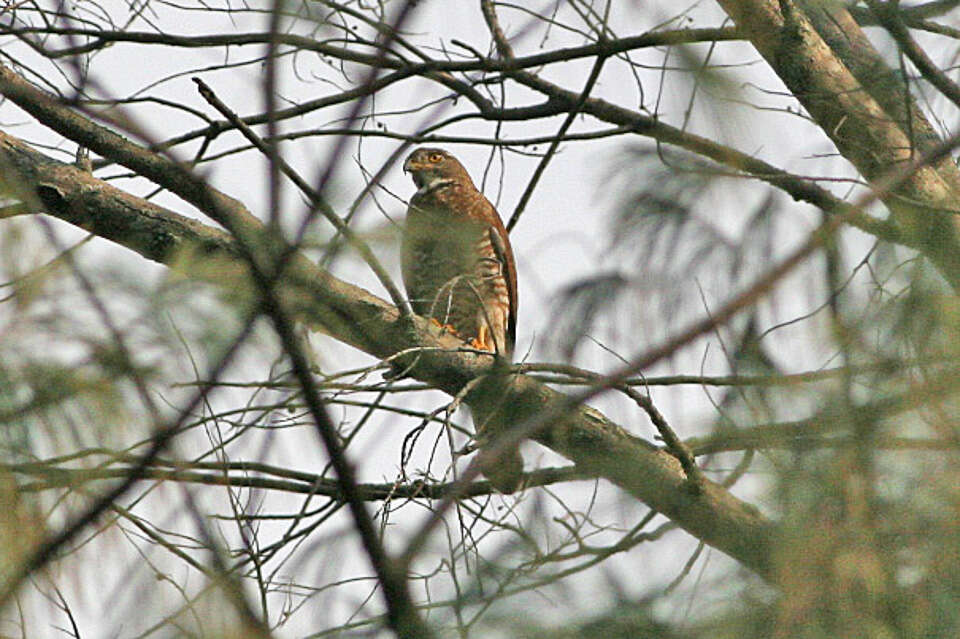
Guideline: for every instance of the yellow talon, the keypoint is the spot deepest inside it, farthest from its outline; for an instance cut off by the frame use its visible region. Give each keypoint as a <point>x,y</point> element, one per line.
<point>482,341</point>
<point>444,328</point>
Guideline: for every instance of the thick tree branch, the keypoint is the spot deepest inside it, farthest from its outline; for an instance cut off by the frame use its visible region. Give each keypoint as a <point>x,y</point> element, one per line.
<point>350,314</point>
<point>925,205</point>
<point>887,86</point>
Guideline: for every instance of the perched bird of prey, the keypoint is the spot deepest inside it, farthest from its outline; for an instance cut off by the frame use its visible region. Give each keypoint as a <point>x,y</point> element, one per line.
<point>458,268</point>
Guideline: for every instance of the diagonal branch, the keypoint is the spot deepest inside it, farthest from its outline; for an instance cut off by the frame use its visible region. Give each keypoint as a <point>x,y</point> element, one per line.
<point>835,23</point>
<point>352,315</point>
<point>924,205</point>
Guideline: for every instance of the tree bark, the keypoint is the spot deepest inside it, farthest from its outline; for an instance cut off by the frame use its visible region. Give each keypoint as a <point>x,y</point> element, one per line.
<point>925,205</point>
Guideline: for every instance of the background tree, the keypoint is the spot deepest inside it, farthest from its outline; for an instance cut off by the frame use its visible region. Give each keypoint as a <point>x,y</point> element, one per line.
<point>737,238</point>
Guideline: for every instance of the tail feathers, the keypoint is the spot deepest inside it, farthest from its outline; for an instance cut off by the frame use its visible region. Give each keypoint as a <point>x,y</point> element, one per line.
<point>493,417</point>
<point>504,470</point>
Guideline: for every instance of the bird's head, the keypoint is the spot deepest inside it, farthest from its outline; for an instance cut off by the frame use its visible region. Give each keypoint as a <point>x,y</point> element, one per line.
<point>432,168</point>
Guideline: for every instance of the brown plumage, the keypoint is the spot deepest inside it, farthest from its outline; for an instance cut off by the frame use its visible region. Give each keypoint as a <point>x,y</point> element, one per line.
<point>458,266</point>
<point>458,269</point>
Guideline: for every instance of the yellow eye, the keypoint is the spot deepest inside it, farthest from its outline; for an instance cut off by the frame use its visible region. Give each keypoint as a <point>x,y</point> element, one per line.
<point>436,157</point>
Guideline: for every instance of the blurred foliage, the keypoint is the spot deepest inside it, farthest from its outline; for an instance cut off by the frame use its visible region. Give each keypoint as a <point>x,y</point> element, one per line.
<point>666,244</point>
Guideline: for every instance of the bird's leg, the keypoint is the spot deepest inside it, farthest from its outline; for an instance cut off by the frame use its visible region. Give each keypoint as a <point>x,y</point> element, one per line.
<point>481,341</point>
<point>444,328</point>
